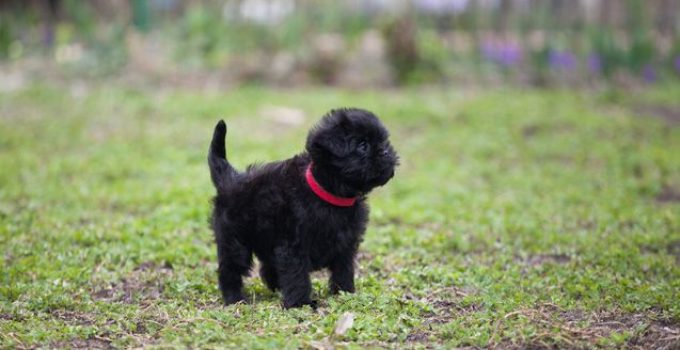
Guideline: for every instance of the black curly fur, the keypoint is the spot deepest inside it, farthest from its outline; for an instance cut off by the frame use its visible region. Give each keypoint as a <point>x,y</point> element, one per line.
<point>270,211</point>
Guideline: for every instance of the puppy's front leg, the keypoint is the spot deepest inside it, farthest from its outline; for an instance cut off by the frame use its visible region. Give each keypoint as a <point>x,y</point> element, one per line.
<point>342,273</point>
<point>293,272</point>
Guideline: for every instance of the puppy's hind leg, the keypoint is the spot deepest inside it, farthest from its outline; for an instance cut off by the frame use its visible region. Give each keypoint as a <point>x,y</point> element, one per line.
<point>234,263</point>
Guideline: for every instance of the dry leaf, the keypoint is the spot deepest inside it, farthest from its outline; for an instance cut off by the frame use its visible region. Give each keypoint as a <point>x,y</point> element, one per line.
<point>344,323</point>
<point>323,344</point>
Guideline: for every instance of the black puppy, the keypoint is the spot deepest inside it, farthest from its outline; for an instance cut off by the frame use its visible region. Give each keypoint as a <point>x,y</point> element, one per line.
<point>302,214</point>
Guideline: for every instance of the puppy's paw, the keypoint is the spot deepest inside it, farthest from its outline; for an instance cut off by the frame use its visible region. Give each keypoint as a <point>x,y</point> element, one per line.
<point>312,303</point>
<point>233,298</point>
<point>335,289</point>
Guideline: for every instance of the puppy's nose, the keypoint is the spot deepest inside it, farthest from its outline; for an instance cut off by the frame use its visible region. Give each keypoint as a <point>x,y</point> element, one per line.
<point>384,152</point>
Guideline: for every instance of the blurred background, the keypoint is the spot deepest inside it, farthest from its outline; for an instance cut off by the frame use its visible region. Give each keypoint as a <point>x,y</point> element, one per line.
<point>375,43</point>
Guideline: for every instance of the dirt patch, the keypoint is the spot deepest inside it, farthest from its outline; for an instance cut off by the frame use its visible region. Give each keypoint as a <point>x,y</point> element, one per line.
<point>673,248</point>
<point>668,194</point>
<point>557,328</point>
<point>418,337</point>
<point>90,343</point>
<point>554,327</point>
<point>531,130</point>
<point>145,282</point>
<point>670,114</point>
<point>364,256</point>
<point>73,317</point>
<point>397,221</point>
<point>152,266</point>
<point>446,310</point>
<point>535,261</point>
<point>446,304</point>
<point>541,259</point>
<point>10,317</point>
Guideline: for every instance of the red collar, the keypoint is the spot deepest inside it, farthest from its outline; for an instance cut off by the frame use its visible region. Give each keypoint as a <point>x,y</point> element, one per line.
<point>325,195</point>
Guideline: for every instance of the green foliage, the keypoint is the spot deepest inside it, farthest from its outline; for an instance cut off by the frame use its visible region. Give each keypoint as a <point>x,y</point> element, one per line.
<point>141,16</point>
<point>435,58</point>
<point>82,17</point>
<point>538,218</point>
<point>199,33</point>
<point>6,36</point>
<point>403,53</point>
<point>206,35</point>
<point>604,45</point>
<point>540,65</point>
<point>13,22</point>
<point>641,51</point>
<point>108,55</point>
<point>334,17</point>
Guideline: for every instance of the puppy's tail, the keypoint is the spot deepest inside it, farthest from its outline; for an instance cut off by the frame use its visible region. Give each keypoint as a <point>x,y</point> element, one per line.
<point>221,172</point>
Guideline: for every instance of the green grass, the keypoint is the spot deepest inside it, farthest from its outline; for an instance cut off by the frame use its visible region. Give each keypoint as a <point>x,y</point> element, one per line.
<point>517,218</point>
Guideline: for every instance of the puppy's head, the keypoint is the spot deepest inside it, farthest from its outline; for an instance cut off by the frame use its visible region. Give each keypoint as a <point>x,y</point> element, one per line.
<point>353,144</point>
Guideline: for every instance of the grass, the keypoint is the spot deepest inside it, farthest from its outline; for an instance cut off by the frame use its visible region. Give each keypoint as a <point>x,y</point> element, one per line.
<point>517,219</point>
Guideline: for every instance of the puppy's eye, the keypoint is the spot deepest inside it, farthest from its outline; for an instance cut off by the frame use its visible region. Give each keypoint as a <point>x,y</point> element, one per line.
<point>362,147</point>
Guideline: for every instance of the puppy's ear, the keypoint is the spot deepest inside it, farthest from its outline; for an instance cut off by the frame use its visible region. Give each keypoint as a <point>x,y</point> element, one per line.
<point>327,143</point>
<point>329,136</point>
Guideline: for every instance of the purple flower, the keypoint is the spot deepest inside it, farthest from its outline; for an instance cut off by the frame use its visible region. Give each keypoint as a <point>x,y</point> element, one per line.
<point>595,63</point>
<point>649,73</point>
<point>561,60</point>
<point>506,54</point>
<point>677,64</point>
<point>48,36</point>
<point>510,54</point>
<point>442,6</point>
